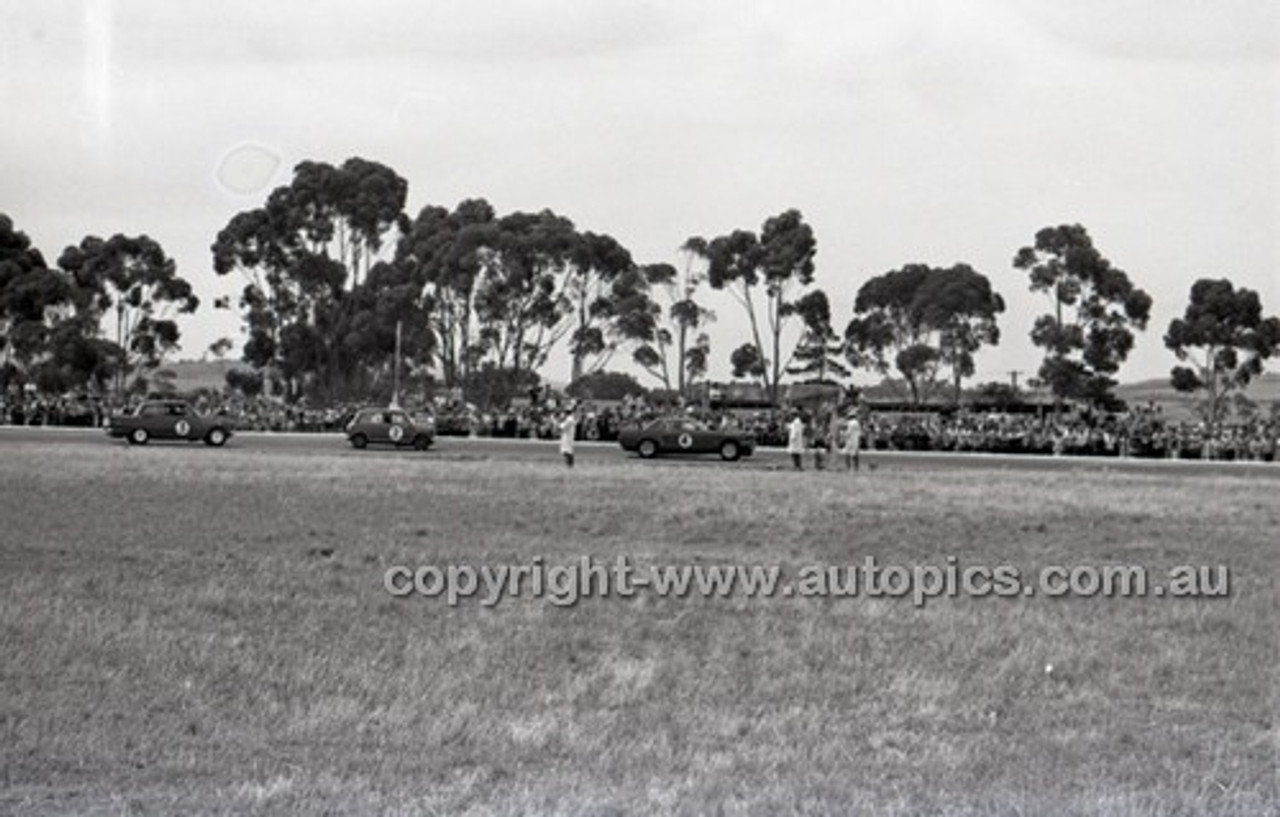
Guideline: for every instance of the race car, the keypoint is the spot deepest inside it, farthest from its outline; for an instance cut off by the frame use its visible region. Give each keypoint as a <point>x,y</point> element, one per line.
<point>169,420</point>
<point>387,426</point>
<point>684,435</point>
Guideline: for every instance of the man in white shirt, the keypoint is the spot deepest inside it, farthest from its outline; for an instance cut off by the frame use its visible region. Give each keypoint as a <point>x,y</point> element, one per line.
<point>795,441</point>
<point>568,424</point>
<point>852,441</point>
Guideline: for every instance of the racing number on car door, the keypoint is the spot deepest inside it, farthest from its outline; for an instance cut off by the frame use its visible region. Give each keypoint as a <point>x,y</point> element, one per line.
<point>396,432</point>
<point>182,428</point>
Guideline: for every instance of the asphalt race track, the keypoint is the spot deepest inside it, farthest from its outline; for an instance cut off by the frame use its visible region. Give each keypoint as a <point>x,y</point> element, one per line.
<point>485,448</point>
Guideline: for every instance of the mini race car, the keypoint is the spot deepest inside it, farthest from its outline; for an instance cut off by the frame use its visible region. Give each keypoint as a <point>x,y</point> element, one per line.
<point>169,420</point>
<point>684,435</point>
<point>387,426</point>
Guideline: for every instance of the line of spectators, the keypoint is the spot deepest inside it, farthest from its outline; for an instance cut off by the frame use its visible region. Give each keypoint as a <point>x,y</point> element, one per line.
<point>52,411</point>
<point>1143,432</point>
<point>1136,434</point>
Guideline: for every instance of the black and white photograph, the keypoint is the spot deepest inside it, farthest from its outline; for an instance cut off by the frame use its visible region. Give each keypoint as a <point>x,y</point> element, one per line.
<point>640,407</point>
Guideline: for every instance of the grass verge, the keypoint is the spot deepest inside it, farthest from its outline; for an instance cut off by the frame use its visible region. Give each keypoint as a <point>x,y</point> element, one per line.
<point>203,631</point>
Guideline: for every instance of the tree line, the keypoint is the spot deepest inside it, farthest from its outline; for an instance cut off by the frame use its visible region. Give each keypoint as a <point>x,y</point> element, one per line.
<point>336,277</point>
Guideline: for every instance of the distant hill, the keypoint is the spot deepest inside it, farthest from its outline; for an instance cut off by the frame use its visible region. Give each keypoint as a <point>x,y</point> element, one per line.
<point>1176,405</point>
<point>1264,390</point>
<point>211,374</point>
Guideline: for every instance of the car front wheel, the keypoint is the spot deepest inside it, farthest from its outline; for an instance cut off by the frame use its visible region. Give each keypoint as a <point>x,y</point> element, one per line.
<point>216,437</point>
<point>422,442</point>
<point>729,451</point>
<point>359,441</point>
<point>648,449</point>
<point>139,436</point>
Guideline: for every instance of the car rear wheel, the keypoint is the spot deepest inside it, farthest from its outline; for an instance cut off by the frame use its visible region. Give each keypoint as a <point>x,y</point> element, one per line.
<point>139,436</point>
<point>359,441</point>
<point>216,437</point>
<point>730,451</point>
<point>648,449</point>
<point>422,442</point>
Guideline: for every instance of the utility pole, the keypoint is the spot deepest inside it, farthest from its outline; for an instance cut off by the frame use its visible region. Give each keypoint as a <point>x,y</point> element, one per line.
<point>395,388</point>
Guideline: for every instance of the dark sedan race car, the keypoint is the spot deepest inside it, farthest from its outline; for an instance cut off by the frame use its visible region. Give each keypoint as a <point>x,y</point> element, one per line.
<point>169,420</point>
<point>684,435</point>
<point>388,426</point>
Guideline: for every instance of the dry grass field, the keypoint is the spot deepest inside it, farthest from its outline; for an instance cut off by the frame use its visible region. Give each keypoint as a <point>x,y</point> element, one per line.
<point>197,631</point>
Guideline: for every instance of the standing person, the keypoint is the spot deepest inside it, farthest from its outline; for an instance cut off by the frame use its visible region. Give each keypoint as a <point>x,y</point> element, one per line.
<point>852,441</point>
<point>818,442</point>
<point>795,441</point>
<point>568,424</point>
<point>834,433</point>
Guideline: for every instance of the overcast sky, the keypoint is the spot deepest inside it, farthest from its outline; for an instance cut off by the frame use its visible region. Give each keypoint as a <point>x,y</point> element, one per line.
<point>938,131</point>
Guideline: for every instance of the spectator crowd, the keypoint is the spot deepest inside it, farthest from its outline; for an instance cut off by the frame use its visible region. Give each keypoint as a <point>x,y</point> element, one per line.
<point>1143,432</point>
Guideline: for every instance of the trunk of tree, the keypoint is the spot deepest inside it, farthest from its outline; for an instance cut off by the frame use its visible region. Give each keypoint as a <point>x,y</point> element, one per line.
<point>682,350</point>
<point>775,326</point>
<point>1215,395</point>
<point>519,350</point>
<point>666,370</point>
<point>1057,353</point>
<point>576,370</point>
<point>123,357</point>
<point>755,336</point>
<point>468,311</point>
<point>448,354</point>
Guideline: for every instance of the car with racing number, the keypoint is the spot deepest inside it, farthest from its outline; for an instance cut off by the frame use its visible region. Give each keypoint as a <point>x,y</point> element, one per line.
<point>169,420</point>
<point>685,435</point>
<point>390,426</point>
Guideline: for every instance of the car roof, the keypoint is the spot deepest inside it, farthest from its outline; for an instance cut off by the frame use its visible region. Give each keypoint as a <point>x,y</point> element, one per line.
<point>364,412</point>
